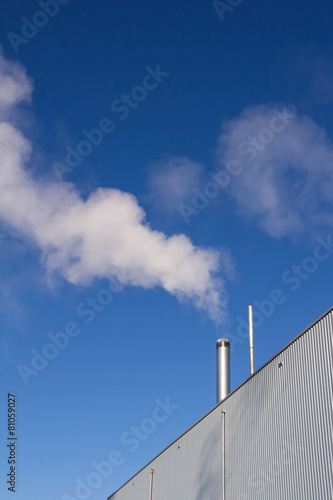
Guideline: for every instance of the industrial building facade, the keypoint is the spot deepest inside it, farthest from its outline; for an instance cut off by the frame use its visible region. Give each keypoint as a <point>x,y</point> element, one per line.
<point>271,438</point>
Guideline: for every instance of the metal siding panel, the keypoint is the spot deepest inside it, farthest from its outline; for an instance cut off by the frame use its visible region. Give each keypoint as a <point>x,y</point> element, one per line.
<point>136,489</point>
<point>279,435</point>
<point>194,469</point>
<point>280,443</point>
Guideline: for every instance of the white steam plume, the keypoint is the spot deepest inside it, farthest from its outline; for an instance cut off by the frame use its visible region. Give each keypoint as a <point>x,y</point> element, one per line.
<point>102,237</point>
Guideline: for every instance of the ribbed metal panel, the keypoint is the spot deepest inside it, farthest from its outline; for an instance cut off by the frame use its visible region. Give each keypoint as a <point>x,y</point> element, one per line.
<point>278,435</point>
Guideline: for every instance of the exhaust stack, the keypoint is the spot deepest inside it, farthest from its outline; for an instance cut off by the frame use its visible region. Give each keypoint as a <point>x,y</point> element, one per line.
<point>223,369</point>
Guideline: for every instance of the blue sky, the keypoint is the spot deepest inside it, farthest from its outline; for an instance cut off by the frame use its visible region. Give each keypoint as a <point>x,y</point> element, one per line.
<point>162,167</point>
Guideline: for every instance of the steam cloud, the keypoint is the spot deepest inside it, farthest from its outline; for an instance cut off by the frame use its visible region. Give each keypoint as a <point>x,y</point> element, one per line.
<point>102,237</point>
<point>285,186</point>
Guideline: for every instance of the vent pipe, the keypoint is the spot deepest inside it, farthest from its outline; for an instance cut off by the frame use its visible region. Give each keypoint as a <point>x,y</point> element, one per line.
<point>223,369</point>
<point>251,340</point>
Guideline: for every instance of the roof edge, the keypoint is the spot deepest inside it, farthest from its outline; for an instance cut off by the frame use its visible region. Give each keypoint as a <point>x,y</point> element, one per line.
<point>227,397</point>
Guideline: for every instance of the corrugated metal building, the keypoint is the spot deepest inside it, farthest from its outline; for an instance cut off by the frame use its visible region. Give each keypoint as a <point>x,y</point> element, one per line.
<point>271,438</point>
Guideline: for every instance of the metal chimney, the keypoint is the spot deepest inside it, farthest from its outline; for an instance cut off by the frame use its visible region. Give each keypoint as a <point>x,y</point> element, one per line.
<point>223,369</point>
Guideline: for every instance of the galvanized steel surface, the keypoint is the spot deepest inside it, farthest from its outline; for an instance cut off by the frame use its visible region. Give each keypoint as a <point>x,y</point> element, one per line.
<point>222,369</point>
<point>278,435</point>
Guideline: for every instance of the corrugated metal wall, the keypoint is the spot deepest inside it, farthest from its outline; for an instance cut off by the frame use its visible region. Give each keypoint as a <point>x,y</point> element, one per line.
<point>278,435</point>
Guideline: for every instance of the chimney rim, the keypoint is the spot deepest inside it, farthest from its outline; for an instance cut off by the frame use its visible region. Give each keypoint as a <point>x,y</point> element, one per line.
<point>222,343</point>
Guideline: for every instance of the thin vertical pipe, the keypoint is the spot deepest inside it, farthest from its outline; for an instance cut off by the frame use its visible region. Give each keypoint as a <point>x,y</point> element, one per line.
<point>223,454</point>
<point>251,340</point>
<point>151,484</point>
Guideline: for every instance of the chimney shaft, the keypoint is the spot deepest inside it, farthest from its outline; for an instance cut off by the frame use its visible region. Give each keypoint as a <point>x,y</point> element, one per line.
<point>223,369</point>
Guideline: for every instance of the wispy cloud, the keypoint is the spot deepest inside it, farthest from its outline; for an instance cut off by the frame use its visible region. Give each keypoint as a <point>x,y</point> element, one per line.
<point>286,182</point>
<point>104,236</point>
<point>311,73</point>
<point>15,86</point>
<point>171,181</point>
